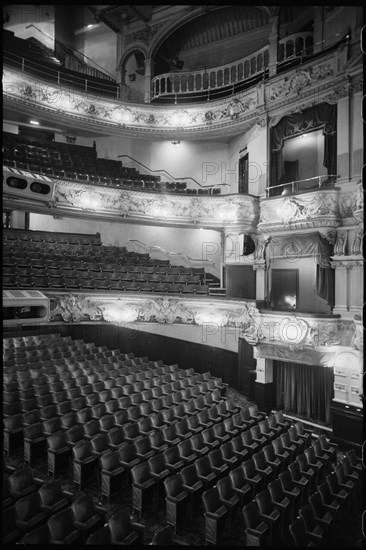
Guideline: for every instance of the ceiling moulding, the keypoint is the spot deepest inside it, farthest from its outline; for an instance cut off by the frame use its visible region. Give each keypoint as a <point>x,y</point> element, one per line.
<point>228,116</point>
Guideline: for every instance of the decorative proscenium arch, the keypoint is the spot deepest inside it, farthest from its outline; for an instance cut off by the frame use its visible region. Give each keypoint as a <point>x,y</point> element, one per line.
<point>136,46</point>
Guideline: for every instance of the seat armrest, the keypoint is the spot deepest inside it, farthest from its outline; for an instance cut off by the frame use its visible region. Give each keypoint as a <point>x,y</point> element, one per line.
<point>138,526</point>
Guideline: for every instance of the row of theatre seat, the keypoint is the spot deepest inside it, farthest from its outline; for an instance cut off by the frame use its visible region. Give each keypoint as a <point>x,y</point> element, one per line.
<point>243,434</point>
<point>29,264</point>
<point>44,513</point>
<point>78,163</point>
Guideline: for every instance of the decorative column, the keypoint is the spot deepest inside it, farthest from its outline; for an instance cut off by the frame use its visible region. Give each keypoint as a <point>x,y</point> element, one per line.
<point>273,44</point>
<point>318,28</point>
<point>341,282</point>
<point>149,67</point>
<point>260,267</point>
<point>264,390</point>
<point>343,140</point>
<point>120,49</point>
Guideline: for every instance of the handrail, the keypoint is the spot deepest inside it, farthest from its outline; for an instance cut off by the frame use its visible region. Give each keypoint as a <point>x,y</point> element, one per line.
<point>229,74</point>
<point>67,46</point>
<point>203,80</point>
<point>174,178</point>
<point>295,187</point>
<point>59,74</point>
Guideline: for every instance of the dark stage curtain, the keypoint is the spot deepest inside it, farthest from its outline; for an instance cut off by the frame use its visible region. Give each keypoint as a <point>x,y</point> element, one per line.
<point>323,115</point>
<point>305,390</point>
<point>324,285</point>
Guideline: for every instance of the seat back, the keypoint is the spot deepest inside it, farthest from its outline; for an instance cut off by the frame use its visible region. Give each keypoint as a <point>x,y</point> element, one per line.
<point>83,508</point>
<point>51,492</point>
<point>298,533</point>
<point>61,524</point>
<point>264,501</point>
<point>211,500</point>
<point>120,525</point>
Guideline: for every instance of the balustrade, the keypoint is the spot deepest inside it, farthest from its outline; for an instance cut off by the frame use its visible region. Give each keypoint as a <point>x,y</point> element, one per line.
<point>190,82</point>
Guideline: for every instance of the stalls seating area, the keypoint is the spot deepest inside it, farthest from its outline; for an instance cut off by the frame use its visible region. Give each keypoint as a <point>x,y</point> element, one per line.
<point>168,436</point>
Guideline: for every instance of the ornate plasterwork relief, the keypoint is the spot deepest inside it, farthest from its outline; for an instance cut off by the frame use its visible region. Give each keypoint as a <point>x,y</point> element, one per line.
<point>214,210</point>
<point>147,308</point>
<point>300,80</point>
<point>303,339</point>
<point>294,337</point>
<point>88,107</point>
<point>318,208</point>
<point>143,35</point>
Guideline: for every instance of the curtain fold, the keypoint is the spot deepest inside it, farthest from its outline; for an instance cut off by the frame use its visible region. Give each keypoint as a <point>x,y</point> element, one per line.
<point>305,390</point>
<point>324,284</point>
<point>323,115</point>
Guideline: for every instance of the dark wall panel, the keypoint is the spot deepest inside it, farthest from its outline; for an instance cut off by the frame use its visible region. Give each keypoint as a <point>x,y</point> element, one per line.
<point>240,281</point>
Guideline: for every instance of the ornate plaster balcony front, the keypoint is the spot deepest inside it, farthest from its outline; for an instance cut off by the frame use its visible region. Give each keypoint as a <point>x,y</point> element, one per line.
<point>109,203</point>
<point>308,210</point>
<point>306,338</point>
<point>128,308</point>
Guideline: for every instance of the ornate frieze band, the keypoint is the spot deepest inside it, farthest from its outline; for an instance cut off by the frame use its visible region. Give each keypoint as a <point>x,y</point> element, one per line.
<point>212,211</point>
<point>310,339</point>
<point>322,76</point>
<point>143,308</point>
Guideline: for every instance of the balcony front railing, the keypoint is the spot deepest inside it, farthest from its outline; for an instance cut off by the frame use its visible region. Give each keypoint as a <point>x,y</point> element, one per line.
<point>62,76</point>
<point>289,188</point>
<point>231,74</point>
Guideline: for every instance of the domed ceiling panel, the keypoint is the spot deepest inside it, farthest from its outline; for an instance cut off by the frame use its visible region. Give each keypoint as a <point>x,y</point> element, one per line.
<point>207,32</point>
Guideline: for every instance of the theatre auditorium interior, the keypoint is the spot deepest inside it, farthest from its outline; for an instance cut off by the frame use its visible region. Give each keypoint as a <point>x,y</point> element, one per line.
<point>182,275</point>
